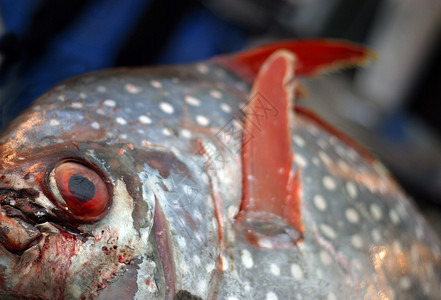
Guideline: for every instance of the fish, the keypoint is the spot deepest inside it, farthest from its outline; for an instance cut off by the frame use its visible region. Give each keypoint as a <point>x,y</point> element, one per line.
<point>204,181</point>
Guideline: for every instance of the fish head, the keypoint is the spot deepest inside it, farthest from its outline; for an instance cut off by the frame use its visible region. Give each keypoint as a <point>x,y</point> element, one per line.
<point>76,210</point>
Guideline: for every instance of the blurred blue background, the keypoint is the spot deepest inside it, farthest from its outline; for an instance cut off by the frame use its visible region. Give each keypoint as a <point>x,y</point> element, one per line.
<point>392,107</point>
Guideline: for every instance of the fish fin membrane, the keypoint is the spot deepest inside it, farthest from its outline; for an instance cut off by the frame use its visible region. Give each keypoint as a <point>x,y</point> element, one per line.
<point>314,57</point>
<point>270,208</point>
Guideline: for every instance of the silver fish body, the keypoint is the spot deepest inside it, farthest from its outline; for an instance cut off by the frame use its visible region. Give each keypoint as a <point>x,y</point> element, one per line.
<point>167,141</point>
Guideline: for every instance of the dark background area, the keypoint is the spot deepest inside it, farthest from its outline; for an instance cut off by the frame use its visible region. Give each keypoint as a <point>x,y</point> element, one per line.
<point>43,42</point>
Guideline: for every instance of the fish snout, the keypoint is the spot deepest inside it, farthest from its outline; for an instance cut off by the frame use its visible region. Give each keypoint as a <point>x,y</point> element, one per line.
<point>16,234</point>
<point>17,231</point>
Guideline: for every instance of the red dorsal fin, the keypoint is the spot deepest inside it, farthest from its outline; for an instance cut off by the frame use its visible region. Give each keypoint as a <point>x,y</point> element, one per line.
<point>314,57</point>
<point>270,210</point>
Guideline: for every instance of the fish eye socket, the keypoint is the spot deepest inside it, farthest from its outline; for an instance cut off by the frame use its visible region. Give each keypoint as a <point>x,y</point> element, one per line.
<point>79,190</point>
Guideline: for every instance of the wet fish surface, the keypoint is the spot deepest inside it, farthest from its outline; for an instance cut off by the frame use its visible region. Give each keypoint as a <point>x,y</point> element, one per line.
<point>129,184</point>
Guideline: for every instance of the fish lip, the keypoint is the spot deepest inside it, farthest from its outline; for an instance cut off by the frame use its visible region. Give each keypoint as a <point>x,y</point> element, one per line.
<point>19,207</point>
<point>13,262</point>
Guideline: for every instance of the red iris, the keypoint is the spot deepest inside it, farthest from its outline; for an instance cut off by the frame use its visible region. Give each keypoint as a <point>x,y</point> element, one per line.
<point>82,189</point>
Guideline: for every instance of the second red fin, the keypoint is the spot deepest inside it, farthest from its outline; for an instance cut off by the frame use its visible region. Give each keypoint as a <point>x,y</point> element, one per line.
<point>314,57</point>
<point>270,210</point>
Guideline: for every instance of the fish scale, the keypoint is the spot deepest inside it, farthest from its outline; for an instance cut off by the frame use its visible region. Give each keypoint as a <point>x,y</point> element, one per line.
<point>168,142</point>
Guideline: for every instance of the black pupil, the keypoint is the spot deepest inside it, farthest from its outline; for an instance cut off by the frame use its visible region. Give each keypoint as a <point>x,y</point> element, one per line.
<point>81,188</point>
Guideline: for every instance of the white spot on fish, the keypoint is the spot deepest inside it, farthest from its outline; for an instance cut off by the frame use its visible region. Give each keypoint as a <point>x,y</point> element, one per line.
<point>320,202</point>
<point>181,242</point>
<point>396,246</point>
<point>225,264</point>
<point>61,98</point>
<point>300,160</point>
<point>296,272</point>
<point>202,68</point>
<point>196,260</point>
<point>166,132</point>
<point>186,133</point>
<point>343,165</point>
<point>156,84</point>
<point>352,154</point>
<point>209,268</point>
<point>333,140</point>
<point>247,259</point>
<point>132,89</point>
<point>246,286</point>
<point>322,143</point>
<point>394,216</point>
<point>324,157</point>
<point>109,103</point>
<point>275,269</point>
<point>100,111</point>
<point>95,125</point>
<point>232,298</point>
<point>265,243</point>
<point>202,286</point>
<point>352,215</point>
<point>232,211</point>
<point>77,105</point>
<point>121,121</point>
<point>192,100</point>
<point>225,107</point>
<point>351,189</point>
<point>184,267</point>
<point>145,120</point>
<point>376,236</point>
<point>202,120</point>
<point>405,283</point>
<point>299,140</point>
<point>101,89</point>
<point>325,258</point>
<point>215,94</point>
<point>357,241</point>
<point>166,107</point>
<point>329,183</point>
<point>54,122</point>
<point>271,296</point>
<point>340,150</point>
<point>331,296</point>
<point>328,231</point>
<point>83,96</point>
<point>376,212</point>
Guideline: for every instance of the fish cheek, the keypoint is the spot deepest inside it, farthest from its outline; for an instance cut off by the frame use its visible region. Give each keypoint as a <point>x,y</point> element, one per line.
<point>165,164</point>
<point>116,245</point>
<point>130,171</point>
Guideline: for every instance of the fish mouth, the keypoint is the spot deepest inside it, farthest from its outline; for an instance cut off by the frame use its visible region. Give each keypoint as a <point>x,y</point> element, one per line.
<point>23,224</point>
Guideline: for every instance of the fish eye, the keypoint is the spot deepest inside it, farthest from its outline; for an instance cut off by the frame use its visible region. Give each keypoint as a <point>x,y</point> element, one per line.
<point>79,190</point>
